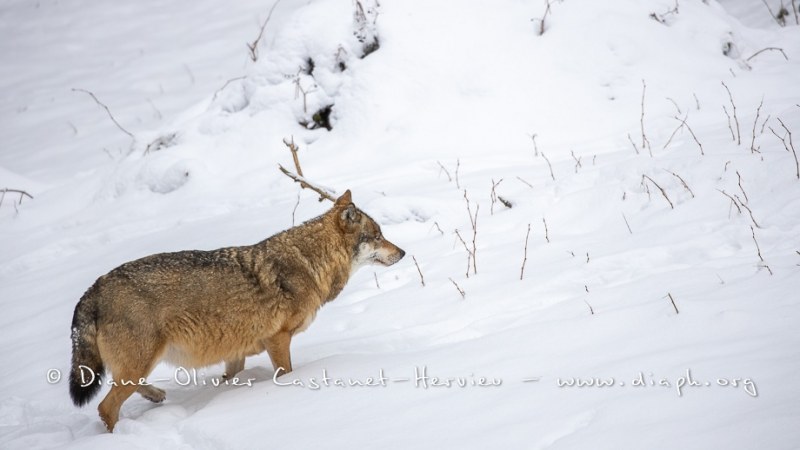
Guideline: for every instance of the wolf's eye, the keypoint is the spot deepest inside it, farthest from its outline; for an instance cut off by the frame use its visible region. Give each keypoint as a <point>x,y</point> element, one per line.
<point>379,238</point>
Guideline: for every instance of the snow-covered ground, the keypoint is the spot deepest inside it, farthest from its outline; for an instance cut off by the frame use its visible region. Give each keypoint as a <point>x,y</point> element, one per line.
<point>666,277</point>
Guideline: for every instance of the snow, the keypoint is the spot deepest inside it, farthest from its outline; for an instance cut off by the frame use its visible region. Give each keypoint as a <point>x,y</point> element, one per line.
<point>458,96</point>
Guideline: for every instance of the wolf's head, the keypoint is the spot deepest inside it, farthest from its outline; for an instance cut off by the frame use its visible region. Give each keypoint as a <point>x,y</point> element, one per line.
<point>370,247</point>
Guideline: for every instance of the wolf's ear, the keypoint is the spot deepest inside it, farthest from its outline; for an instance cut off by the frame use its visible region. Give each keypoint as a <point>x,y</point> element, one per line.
<point>345,199</point>
<point>350,214</point>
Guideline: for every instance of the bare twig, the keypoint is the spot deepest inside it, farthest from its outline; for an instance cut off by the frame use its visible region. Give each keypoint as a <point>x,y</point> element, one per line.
<point>768,49</point>
<point>730,124</point>
<point>22,194</point>
<point>546,233</point>
<point>544,17</point>
<point>645,142</point>
<point>438,228</point>
<point>735,118</point>
<point>378,285</point>
<point>528,184</point>
<point>460,291</point>
<point>780,18</point>
<point>458,166</point>
<point>469,252</point>
<point>493,195</point>
<point>443,169</point>
<point>696,101</point>
<point>473,219</point>
<point>108,111</point>
<point>662,18</point>
<point>733,200</point>
<point>577,161</point>
<point>299,89</point>
<point>421,278</point>
<point>591,310</point>
<point>684,123</point>
<point>253,47</point>
<point>749,211</point>
<point>747,200</point>
<point>226,85</point>
<point>683,182</point>
<point>672,300</point>
<point>791,145</point>
<point>635,148</point>
<point>674,103</point>
<point>680,127</point>
<point>663,192</point>
<point>758,249</point>
<point>550,166</point>
<point>324,194</point>
<point>525,257</point>
<point>535,147</point>
<point>626,223</point>
<point>753,148</point>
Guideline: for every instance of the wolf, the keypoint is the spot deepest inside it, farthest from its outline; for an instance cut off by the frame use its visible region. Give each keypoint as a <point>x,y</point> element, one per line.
<point>197,308</point>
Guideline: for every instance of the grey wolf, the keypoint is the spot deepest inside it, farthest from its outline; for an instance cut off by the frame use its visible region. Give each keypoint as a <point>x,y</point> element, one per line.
<point>196,308</point>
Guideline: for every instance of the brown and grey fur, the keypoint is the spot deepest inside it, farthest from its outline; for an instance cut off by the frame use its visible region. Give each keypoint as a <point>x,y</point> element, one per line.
<point>196,308</point>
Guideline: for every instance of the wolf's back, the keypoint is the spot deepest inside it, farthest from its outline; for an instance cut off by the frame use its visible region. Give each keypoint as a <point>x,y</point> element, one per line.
<point>87,366</point>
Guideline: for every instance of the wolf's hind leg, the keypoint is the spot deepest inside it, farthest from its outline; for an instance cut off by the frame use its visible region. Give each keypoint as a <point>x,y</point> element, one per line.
<point>232,368</point>
<point>278,349</point>
<point>152,393</point>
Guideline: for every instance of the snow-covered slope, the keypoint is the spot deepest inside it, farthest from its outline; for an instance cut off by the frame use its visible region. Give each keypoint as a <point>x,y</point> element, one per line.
<point>661,267</point>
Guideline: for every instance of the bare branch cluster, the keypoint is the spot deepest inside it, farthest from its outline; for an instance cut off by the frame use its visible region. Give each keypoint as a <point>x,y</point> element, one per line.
<point>324,194</point>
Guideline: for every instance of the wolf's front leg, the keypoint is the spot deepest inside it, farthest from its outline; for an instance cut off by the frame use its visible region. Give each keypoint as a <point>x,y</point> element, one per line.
<point>232,368</point>
<point>278,349</point>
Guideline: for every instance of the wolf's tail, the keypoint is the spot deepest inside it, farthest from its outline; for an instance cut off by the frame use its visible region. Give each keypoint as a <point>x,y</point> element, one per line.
<point>86,375</point>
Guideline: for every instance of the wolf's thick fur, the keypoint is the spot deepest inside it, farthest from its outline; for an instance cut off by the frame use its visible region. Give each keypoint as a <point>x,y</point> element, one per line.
<point>196,308</point>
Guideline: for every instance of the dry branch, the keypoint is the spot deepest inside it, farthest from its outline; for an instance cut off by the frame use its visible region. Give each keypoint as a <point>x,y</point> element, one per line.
<point>733,200</point>
<point>467,249</point>
<point>663,192</point>
<point>671,136</point>
<point>683,122</point>
<point>546,233</point>
<point>443,169</point>
<point>324,194</point>
<point>645,142</point>
<point>253,47</point>
<point>635,148</point>
<point>528,184</point>
<point>473,219</point>
<point>747,200</point>
<point>683,182</point>
<point>550,166</point>
<point>758,249</point>
<point>626,223</point>
<point>766,49</point>
<point>672,300</point>
<point>525,258</point>
<point>214,97</point>
<point>460,291</point>
<point>108,111</point>
<point>753,148</point>
<point>22,194</point>
<point>791,145</point>
<point>735,118</point>
<point>421,278</point>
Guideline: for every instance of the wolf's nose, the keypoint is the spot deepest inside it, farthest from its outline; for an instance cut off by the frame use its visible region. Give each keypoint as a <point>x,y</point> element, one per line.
<point>402,253</point>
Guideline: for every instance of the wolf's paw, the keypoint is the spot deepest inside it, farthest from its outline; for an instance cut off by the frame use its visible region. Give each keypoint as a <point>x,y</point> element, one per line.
<point>152,393</point>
